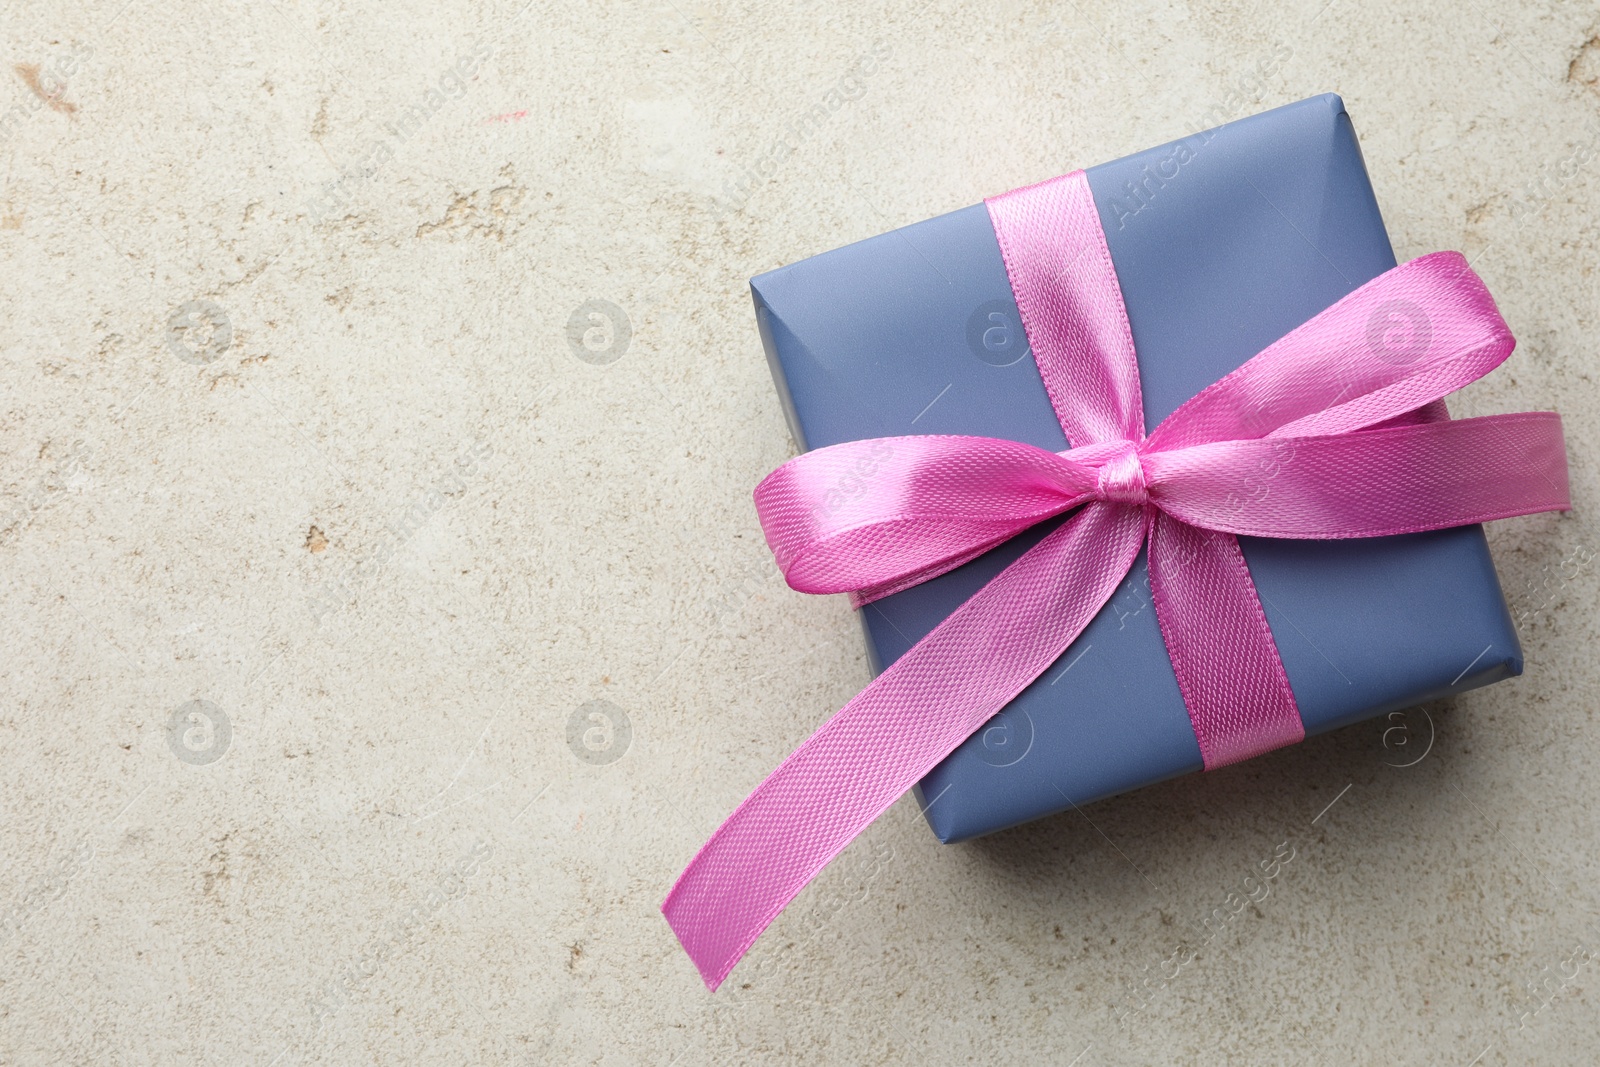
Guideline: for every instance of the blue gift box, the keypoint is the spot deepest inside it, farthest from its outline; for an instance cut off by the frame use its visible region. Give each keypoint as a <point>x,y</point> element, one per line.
<point>1223,242</point>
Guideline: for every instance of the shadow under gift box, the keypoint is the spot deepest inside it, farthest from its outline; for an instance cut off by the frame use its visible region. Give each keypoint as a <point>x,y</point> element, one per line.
<point>1223,242</point>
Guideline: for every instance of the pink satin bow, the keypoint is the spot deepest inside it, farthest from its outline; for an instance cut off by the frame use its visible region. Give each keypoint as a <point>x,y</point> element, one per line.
<point>1335,430</point>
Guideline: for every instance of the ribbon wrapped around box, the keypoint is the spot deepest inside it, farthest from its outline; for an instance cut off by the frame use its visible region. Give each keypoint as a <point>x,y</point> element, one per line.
<point>1302,481</point>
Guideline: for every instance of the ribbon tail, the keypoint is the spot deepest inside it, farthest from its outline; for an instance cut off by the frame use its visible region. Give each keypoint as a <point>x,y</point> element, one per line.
<point>894,732</point>
<point>1371,483</point>
<point>1222,650</point>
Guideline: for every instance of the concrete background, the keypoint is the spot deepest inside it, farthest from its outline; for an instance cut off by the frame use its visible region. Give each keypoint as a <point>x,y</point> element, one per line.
<point>383,378</point>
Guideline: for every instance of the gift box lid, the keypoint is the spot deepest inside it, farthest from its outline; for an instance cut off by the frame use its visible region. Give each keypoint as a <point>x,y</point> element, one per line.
<point>1223,242</point>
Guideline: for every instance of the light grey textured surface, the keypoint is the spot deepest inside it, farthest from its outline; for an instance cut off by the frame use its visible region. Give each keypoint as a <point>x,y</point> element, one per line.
<point>305,416</point>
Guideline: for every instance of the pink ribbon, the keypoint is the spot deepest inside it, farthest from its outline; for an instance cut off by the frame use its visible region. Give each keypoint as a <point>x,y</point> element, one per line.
<point>1332,431</point>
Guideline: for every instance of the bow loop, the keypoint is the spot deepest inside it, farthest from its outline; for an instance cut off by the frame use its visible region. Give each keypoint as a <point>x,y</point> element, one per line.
<point>877,516</point>
<point>1406,338</point>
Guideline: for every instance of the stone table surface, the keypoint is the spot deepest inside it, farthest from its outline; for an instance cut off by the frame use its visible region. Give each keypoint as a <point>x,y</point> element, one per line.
<point>388,621</point>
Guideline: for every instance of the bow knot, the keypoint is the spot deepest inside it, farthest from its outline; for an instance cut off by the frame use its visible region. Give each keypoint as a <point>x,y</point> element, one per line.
<point>1121,477</point>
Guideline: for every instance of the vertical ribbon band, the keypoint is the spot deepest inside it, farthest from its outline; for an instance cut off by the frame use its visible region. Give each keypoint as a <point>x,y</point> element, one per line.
<point>1228,670</point>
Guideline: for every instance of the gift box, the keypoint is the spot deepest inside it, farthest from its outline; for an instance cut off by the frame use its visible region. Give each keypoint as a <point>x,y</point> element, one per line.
<point>1223,242</point>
